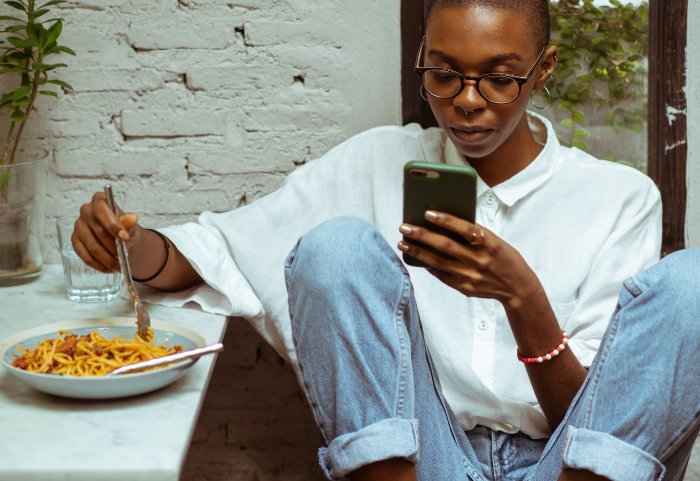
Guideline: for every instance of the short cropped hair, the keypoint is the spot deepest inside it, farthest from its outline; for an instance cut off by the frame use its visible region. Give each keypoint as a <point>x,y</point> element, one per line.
<point>536,10</point>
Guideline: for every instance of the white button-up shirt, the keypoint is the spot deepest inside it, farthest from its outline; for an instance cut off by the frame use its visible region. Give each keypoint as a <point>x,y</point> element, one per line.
<point>582,224</point>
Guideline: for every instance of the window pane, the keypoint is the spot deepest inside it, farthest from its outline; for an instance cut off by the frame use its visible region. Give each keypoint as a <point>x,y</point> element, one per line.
<point>599,89</point>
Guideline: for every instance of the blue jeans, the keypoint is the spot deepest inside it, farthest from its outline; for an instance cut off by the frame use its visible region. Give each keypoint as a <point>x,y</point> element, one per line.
<point>355,326</point>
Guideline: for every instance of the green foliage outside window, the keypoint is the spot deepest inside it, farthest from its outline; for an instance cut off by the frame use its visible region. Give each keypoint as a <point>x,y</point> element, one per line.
<point>602,62</point>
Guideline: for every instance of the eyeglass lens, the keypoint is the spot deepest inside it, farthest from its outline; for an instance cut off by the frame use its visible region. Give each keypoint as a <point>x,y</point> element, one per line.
<point>494,88</point>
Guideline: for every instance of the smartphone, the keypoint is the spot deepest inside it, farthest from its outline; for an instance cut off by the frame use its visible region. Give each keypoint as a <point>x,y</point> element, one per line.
<point>441,187</point>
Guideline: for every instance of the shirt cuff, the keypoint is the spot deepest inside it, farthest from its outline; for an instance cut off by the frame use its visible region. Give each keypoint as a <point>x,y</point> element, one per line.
<point>225,290</point>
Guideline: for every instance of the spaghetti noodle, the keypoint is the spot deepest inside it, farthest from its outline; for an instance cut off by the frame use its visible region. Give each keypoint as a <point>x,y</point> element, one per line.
<point>89,355</point>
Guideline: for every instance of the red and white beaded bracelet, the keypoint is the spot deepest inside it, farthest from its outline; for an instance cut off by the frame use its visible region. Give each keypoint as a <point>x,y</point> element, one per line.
<point>547,357</point>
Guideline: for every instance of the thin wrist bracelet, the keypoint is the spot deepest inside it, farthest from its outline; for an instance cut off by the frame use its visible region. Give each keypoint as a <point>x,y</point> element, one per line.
<point>166,243</point>
<point>546,357</point>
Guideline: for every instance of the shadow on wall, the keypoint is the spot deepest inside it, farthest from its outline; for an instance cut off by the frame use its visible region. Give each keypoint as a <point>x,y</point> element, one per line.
<point>255,424</point>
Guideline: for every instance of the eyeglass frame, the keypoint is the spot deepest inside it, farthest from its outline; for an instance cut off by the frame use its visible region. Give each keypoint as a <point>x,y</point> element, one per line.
<point>517,78</point>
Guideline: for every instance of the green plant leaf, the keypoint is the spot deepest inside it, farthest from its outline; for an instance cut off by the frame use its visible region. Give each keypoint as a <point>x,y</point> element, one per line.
<point>11,19</point>
<point>54,32</point>
<point>21,92</point>
<point>50,48</point>
<point>16,5</point>
<point>568,123</point>
<point>21,42</point>
<point>18,116</point>
<point>52,2</point>
<point>64,49</point>
<point>17,56</point>
<point>61,83</point>
<point>5,179</point>
<point>579,145</point>
<point>21,102</point>
<point>32,30</point>
<point>39,13</point>
<point>42,67</point>
<point>14,29</point>
<point>48,92</point>
<point>582,133</point>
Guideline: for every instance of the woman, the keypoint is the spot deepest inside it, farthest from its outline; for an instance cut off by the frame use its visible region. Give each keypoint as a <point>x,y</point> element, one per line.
<point>433,374</point>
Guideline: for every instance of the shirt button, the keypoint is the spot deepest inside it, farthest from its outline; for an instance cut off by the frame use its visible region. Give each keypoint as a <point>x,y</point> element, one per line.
<point>483,325</point>
<point>490,198</point>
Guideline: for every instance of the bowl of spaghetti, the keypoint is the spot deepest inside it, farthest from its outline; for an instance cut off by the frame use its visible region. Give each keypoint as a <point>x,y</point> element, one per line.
<point>73,358</point>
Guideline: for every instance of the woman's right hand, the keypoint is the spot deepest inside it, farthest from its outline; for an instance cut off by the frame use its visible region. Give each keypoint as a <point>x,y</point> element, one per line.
<point>95,231</point>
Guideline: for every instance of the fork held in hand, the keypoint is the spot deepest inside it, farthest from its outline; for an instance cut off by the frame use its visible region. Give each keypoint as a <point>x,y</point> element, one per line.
<point>143,320</point>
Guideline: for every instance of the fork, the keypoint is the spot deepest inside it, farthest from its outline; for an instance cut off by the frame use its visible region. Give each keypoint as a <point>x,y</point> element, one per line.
<point>143,320</point>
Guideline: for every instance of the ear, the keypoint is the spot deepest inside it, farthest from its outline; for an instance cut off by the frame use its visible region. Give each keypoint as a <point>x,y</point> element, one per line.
<point>546,68</point>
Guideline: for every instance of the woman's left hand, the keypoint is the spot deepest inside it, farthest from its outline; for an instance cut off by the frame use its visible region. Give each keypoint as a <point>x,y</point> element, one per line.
<point>483,266</point>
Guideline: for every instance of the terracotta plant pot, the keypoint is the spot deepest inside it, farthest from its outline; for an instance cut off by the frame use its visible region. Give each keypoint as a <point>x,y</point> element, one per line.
<point>21,221</point>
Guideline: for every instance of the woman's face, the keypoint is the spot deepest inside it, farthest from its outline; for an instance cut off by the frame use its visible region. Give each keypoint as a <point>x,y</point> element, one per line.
<point>474,41</point>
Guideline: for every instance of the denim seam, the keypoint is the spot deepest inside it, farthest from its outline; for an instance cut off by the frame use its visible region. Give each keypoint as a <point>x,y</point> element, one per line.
<point>309,400</point>
<point>507,461</point>
<point>633,287</point>
<point>307,389</point>
<point>602,355</point>
<point>439,391</point>
<point>401,328</point>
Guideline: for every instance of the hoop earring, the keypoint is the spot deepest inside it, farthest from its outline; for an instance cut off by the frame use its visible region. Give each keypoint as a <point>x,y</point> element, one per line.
<point>423,93</point>
<point>549,99</point>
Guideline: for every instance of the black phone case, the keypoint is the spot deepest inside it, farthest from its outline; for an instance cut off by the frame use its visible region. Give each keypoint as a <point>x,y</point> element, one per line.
<point>441,187</point>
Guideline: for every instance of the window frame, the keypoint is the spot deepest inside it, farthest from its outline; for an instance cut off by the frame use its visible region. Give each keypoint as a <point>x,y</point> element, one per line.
<point>667,107</point>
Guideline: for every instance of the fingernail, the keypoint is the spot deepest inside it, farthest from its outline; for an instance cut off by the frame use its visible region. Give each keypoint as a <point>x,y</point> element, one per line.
<point>403,246</point>
<point>404,229</point>
<point>123,235</point>
<point>431,215</point>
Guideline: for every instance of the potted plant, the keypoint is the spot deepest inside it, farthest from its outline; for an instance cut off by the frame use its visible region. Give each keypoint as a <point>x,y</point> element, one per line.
<point>30,38</point>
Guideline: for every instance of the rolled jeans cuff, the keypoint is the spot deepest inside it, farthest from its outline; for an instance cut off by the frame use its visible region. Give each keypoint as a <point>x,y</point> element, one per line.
<point>388,439</point>
<point>607,456</point>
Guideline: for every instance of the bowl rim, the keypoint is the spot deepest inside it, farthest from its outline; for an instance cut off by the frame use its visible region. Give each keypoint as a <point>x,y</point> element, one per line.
<point>51,329</point>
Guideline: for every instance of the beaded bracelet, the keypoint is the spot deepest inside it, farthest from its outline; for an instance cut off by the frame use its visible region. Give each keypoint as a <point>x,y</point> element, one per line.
<point>547,357</point>
<point>166,243</point>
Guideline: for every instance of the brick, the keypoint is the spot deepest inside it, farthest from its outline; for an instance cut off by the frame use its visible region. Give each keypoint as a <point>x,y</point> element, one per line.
<point>112,79</point>
<point>272,32</point>
<point>98,4</point>
<point>179,31</point>
<point>76,124</point>
<point>162,201</point>
<point>95,47</point>
<point>282,118</point>
<point>164,123</point>
<point>240,78</point>
<point>238,162</point>
<point>88,163</point>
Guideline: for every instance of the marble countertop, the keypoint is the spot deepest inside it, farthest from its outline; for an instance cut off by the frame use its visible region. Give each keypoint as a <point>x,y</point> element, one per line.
<point>142,438</point>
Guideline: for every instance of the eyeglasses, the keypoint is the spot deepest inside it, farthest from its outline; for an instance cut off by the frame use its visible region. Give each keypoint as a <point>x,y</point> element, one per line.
<point>445,83</point>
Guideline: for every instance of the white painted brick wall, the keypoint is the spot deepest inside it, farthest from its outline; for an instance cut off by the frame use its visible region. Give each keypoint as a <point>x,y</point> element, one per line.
<point>192,105</point>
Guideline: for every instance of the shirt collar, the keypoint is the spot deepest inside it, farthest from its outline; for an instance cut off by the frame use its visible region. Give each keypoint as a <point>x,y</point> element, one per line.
<point>531,177</point>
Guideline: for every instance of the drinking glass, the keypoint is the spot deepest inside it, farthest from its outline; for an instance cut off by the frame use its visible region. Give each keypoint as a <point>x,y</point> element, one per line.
<point>84,284</point>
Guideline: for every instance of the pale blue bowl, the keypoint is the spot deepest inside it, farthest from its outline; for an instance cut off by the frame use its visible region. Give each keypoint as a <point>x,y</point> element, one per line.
<point>100,387</point>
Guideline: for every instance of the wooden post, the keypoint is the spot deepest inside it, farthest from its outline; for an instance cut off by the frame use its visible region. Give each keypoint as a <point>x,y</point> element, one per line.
<point>414,108</point>
<point>668,143</point>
